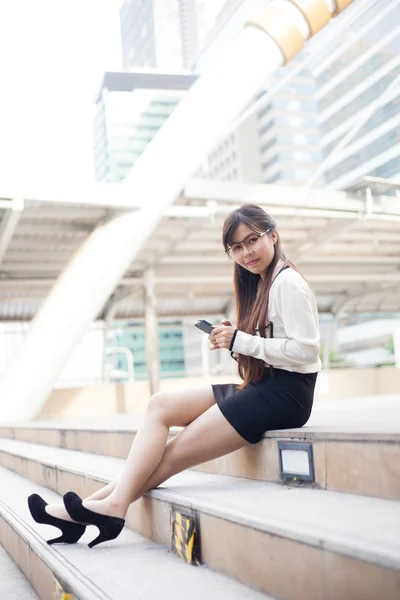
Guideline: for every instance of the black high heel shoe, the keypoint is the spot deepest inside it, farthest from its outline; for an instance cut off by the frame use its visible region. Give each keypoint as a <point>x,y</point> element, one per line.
<point>71,532</point>
<point>109,527</point>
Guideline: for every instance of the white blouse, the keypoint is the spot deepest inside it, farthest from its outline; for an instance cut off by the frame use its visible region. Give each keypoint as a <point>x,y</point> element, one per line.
<point>292,309</point>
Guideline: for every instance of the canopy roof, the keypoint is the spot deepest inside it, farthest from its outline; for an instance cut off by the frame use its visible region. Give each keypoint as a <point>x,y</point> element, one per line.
<point>346,244</point>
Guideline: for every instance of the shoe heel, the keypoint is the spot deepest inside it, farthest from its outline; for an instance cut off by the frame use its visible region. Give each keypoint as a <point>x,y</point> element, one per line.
<point>109,527</point>
<point>102,537</point>
<point>60,540</point>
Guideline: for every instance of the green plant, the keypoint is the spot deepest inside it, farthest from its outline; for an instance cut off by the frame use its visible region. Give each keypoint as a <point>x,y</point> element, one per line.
<point>334,356</point>
<point>390,345</point>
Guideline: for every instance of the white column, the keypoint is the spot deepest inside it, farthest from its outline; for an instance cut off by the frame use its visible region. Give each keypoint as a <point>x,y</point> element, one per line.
<point>334,338</point>
<point>215,100</point>
<point>151,333</point>
<point>327,349</point>
<point>105,341</point>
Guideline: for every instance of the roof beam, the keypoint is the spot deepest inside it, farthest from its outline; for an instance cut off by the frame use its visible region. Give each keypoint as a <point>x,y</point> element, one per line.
<point>39,255</point>
<point>11,282</point>
<point>282,195</point>
<point>99,194</point>
<point>118,197</point>
<point>322,238</point>
<point>340,305</point>
<point>323,260</point>
<point>287,209</point>
<point>210,280</point>
<point>54,229</point>
<point>206,280</point>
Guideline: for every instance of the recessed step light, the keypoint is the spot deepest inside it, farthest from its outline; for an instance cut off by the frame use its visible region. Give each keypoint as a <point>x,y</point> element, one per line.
<point>296,461</point>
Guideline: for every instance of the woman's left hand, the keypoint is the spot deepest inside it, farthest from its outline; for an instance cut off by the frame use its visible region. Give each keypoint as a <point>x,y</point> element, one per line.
<point>221,336</point>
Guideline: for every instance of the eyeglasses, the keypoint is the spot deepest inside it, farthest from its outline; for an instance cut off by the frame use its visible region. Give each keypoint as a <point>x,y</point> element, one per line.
<point>250,242</point>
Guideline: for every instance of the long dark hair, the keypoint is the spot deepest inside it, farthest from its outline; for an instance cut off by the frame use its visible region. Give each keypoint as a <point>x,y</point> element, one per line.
<point>252,307</point>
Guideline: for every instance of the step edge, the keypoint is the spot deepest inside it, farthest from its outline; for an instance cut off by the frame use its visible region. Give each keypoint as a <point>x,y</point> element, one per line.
<point>81,585</point>
<point>297,533</point>
<point>238,516</point>
<point>39,540</point>
<point>297,434</point>
<point>46,463</point>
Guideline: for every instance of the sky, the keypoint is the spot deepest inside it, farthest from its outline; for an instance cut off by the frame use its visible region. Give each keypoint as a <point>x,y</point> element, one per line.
<point>52,57</point>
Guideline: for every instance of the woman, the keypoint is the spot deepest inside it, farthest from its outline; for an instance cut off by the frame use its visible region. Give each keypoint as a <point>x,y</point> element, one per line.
<point>276,345</point>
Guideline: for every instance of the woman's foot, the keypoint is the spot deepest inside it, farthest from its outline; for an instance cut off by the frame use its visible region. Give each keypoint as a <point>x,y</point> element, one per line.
<point>71,531</point>
<point>109,526</point>
<point>58,511</point>
<point>105,507</point>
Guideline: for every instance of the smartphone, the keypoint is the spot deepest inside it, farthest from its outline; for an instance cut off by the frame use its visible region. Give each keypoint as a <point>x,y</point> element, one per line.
<point>204,326</point>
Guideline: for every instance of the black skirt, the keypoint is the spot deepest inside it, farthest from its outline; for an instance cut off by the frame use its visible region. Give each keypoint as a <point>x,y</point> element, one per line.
<point>281,401</point>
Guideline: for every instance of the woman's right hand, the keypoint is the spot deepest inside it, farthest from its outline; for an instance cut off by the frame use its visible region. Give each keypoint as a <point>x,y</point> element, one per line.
<point>214,345</point>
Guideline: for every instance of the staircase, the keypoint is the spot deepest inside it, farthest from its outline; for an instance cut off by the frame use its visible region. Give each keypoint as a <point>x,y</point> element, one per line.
<point>307,514</point>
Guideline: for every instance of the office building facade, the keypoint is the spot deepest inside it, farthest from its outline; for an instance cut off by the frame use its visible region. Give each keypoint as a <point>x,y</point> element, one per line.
<point>280,141</point>
<point>131,107</point>
<point>151,34</point>
<point>303,122</point>
<point>165,34</point>
<point>288,130</point>
<point>356,79</point>
<point>237,156</point>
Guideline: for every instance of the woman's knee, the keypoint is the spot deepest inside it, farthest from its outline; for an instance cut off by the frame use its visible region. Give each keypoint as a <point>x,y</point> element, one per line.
<point>157,404</point>
<point>181,407</point>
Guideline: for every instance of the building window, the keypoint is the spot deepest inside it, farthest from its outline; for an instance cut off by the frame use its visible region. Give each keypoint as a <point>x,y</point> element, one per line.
<point>272,179</point>
<point>269,144</point>
<point>266,127</point>
<point>378,146</point>
<point>270,162</point>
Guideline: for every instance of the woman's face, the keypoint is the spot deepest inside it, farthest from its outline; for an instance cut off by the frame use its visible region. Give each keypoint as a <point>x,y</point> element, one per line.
<point>255,254</point>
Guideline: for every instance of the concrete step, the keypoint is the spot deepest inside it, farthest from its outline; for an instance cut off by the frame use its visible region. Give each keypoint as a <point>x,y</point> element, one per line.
<point>13,583</point>
<point>128,567</point>
<point>354,446</point>
<point>290,543</point>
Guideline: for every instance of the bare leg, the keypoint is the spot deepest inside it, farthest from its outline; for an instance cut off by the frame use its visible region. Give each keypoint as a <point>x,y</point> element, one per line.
<point>178,457</point>
<point>164,410</point>
<point>207,437</point>
<point>58,510</point>
<point>104,491</point>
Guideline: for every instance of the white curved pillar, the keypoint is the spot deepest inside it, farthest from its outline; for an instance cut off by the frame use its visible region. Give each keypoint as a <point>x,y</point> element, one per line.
<point>215,100</point>
<point>151,332</point>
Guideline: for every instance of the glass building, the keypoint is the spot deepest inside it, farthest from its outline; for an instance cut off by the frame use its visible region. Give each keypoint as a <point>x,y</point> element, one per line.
<point>130,109</point>
<point>352,78</point>
<point>131,335</point>
<point>303,121</point>
<point>151,34</point>
<point>280,141</point>
<point>289,135</point>
<point>166,34</point>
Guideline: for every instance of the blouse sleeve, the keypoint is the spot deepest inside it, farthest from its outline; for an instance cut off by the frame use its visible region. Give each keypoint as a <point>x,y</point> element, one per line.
<point>295,304</point>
